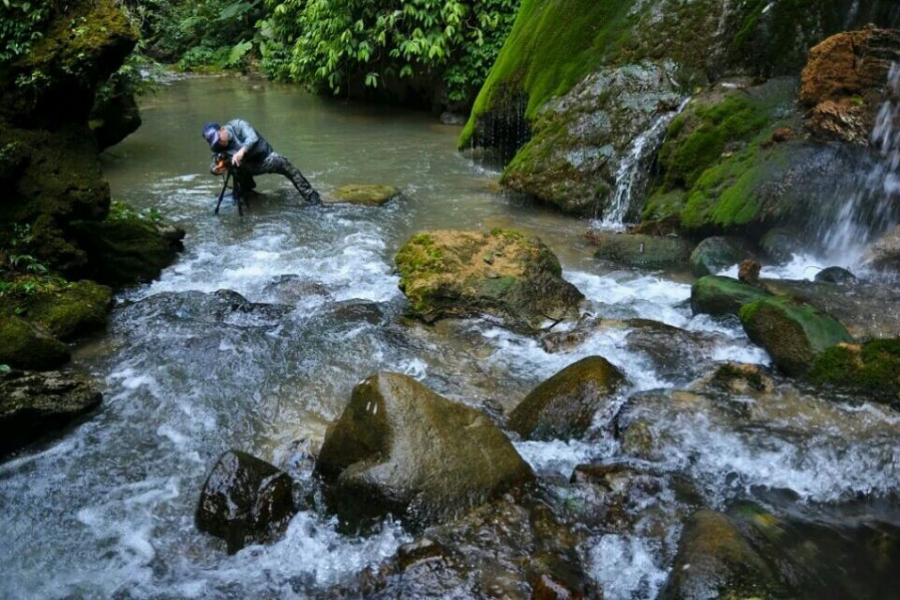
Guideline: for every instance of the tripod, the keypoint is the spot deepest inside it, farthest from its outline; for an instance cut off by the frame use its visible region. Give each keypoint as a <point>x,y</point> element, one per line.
<point>236,193</point>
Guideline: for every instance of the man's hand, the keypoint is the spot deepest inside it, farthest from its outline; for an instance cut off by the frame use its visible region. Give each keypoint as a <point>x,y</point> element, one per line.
<point>238,157</point>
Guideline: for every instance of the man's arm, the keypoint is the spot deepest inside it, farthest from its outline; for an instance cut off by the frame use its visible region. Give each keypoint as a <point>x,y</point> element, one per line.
<point>246,136</point>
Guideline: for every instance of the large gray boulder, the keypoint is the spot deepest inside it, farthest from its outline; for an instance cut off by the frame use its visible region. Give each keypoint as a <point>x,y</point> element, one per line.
<point>35,404</point>
<point>245,500</point>
<point>400,448</point>
<point>564,406</point>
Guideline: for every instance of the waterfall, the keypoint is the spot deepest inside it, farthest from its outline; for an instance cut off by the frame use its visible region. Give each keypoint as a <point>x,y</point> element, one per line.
<point>631,170</point>
<point>870,210</point>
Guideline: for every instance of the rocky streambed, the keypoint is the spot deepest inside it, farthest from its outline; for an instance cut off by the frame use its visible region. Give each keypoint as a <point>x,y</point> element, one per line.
<point>350,401</point>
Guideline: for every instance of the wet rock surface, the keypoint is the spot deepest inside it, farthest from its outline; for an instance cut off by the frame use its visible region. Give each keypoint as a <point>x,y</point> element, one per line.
<point>364,195</point>
<point>33,405</point>
<point>792,332</point>
<point>717,253</point>
<point>715,561</point>
<point>504,274</point>
<point>400,448</point>
<point>715,295</point>
<point>843,83</point>
<point>245,500</point>
<point>641,251</point>
<point>564,406</point>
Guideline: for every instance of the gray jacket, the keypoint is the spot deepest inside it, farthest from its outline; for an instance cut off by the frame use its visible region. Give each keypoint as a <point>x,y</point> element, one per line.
<point>242,135</point>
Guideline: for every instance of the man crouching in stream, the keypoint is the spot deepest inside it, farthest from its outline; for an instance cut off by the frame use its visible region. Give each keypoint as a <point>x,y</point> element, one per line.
<point>251,155</point>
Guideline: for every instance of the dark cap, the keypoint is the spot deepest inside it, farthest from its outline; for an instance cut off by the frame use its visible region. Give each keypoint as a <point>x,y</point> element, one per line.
<point>211,134</point>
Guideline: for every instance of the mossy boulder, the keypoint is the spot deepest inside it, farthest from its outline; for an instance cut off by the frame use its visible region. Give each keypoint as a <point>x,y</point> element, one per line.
<point>82,44</point>
<point>780,244</point>
<point>641,251</point>
<point>23,346</point>
<point>35,404</point>
<point>68,311</point>
<point>792,332</point>
<point>717,253</point>
<point>563,407</point>
<point>364,195</point>
<point>126,250</point>
<point>245,500</point>
<point>872,369</point>
<point>503,274</point>
<point>115,115</point>
<point>715,560</point>
<point>399,448</point>
<point>715,295</point>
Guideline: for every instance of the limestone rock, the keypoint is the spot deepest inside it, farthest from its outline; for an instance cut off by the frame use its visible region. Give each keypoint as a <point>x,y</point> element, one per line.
<point>503,274</point>
<point>844,82</point>
<point>23,346</point>
<point>245,500</point>
<point>35,404</point>
<point>364,195</point>
<point>884,253</point>
<point>641,251</point>
<point>564,406</point>
<point>400,448</point>
<point>792,332</point>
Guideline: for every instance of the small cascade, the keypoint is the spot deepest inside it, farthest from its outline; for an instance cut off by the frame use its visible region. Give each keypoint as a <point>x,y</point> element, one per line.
<point>632,172</point>
<point>871,209</point>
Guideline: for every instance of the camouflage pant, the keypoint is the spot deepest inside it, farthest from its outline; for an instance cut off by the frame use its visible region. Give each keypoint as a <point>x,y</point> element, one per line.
<point>275,163</point>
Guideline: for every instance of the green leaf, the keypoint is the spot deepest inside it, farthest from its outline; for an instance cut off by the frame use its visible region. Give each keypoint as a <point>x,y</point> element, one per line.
<point>238,51</point>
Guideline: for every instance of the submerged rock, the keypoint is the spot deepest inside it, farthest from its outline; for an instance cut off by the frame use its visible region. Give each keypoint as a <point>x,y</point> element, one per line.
<point>717,253</point>
<point>504,274</point>
<point>792,332</point>
<point>564,406</point>
<point>245,500</point>
<point>400,448</point>
<point>35,404</point>
<point>23,346</point>
<point>714,295</point>
<point>364,195</point>
<point>715,561</point>
<point>641,251</point>
<point>510,548</point>
<point>292,289</point>
<point>72,310</point>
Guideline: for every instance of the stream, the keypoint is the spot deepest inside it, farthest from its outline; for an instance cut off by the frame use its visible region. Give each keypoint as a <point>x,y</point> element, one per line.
<point>107,509</point>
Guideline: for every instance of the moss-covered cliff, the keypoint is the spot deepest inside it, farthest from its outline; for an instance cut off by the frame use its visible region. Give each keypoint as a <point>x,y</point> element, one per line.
<point>554,99</point>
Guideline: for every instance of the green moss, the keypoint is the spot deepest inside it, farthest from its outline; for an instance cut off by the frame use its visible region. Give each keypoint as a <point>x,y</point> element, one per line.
<point>793,332</point>
<point>551,47</point>
<point>718,154</point>
<point>716,295</point>
<point>419,257</point>
<point>734,119</point>
<point>873,368</point>
<point>72,310</point>
<point>24,347</point>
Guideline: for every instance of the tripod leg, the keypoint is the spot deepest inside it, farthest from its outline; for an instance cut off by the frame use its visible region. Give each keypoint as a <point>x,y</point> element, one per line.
<point>222,193</point>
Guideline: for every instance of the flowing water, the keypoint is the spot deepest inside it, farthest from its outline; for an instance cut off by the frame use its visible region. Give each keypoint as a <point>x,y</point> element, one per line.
<point>106,510</point>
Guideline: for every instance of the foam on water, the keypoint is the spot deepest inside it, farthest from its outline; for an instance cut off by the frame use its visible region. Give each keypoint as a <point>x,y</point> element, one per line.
<point>628,567</point>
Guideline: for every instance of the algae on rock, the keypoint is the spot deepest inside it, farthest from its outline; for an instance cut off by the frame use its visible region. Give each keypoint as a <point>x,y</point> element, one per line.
<point>505,274</point>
